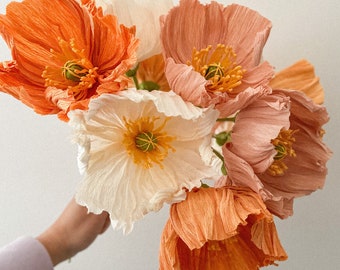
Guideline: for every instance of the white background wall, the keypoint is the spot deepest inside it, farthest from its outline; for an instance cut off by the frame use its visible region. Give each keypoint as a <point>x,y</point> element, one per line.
<point>38,171</point>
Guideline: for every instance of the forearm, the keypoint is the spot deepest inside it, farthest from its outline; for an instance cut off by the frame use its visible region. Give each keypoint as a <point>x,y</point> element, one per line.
<point>25,253</point>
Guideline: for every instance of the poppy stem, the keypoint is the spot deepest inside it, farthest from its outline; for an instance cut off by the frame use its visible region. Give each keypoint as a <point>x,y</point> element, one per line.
<point>223,168</point>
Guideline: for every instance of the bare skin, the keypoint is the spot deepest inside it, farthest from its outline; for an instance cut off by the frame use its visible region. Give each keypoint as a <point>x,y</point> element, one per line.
<point>72,232</point>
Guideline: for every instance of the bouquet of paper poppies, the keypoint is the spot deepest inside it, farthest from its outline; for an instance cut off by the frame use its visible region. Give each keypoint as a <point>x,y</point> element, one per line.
<point>175,104</point>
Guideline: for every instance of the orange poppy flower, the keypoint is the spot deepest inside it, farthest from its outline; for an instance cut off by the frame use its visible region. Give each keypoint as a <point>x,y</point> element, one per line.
<point>62,53</point>
<point>225,228</point>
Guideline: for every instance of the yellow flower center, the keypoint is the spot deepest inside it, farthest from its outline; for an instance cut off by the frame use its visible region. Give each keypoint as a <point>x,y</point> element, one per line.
<point>146,141</point>
<point>283,144</point>
<point>72,71</point>
<point>219,67</point>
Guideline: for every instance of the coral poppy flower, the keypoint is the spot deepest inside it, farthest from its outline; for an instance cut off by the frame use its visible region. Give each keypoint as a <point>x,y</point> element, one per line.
<point>226,228</point>
<point>145,16</point>
<point>134,160</point>
<point>218,49</point>
<point>280,160</point>
<point>62,53</point>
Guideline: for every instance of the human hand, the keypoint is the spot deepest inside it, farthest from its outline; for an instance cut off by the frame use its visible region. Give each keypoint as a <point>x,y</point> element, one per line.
<point>72,232</point>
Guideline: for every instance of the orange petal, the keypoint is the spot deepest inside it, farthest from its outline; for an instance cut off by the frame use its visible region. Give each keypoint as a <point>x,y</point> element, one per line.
<point>300,76</point>
<point>33,96</point>
<point>114,47</point>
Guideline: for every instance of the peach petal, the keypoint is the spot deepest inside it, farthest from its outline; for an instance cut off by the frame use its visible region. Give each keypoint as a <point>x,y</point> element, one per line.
<point>300,76</point>
<point>231,106</point>
<point>240,173</point>
<point>242,28</point>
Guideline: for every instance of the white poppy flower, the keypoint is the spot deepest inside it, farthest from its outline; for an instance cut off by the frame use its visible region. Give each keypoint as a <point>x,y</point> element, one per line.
<point>140,149</point>
<point>144,14</point>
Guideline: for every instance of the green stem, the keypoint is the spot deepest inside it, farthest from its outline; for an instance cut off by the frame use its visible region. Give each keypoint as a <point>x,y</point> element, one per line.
<point>223,168</point>
<point>135,80</point>
<point>229,119</point>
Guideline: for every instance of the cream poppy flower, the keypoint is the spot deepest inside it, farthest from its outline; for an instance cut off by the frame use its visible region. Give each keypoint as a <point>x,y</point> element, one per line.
<point>138,150</point>
<point>144,14</point>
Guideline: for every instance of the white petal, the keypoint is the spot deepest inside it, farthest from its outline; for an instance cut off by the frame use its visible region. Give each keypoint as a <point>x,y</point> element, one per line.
<point>144,14</point>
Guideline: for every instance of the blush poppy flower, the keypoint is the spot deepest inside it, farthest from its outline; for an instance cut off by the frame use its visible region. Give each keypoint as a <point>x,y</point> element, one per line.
<point>220,64</point>
<point>135,160</point>
<point>62,53</point>
<point>225,228</point>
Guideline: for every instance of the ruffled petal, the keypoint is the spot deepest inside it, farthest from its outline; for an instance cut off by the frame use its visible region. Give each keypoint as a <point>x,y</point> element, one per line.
<point>17,86</point>
<point>300,76</point>
<point>178,76</point>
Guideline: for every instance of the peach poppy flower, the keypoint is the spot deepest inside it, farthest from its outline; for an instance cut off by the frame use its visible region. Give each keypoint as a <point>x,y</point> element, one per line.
<point>226,228</point>
<point>151,74</point>
<point>218,49</point>
<point>300,76</point>
<point>62,53</point>
<point>280,161</point>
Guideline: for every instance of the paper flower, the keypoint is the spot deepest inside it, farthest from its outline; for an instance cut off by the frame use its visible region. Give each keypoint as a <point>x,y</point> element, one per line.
<point>144,14</point>
<point>287,165</point>
<point>140,149</point>
<point>205,106</point>
<point>218,50</point>
<point>227,228</point>
<point>62,53</point>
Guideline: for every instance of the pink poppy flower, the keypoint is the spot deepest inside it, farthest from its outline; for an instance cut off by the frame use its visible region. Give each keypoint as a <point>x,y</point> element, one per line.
<point>280,160</point>
<point>226,228</point>
<point>220,65</point>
